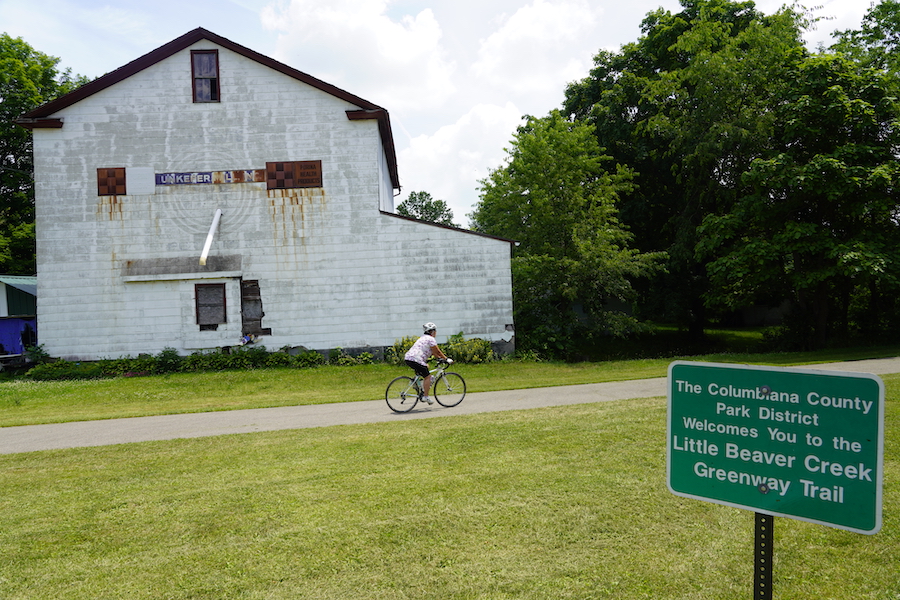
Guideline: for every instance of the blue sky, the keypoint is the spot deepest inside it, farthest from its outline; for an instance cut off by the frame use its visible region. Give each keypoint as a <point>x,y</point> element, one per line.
<point>455,75</point>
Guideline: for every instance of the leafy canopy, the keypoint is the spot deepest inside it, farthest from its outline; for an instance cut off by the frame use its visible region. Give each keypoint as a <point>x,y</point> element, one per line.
<point>556,196</point>
<point>877,42</point>
<point>28,78</point>
<point>420,205</point>
<point>820,218</point>
<point>687,107</point>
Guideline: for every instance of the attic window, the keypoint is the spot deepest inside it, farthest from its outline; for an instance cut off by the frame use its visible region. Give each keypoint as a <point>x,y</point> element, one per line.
<point>205,72</point>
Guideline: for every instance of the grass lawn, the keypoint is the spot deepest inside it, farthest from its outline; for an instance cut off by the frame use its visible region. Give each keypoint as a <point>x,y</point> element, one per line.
<point>538,504</point>
<point>24,402</point>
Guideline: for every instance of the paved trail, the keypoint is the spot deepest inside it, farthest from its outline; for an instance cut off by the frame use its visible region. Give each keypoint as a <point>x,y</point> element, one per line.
<point>32,438</point>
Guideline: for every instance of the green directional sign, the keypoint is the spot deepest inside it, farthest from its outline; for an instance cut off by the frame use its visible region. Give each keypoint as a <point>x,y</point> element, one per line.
<point>798,443</point>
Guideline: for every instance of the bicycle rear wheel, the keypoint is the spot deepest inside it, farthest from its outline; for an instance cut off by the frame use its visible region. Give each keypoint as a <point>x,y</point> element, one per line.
<point>402,394</point>
<point>449,389</point>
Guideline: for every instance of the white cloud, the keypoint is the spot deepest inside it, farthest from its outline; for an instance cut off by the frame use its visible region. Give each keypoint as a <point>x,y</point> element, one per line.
<point>76,33</point>
<point>449,163</point>
<point>93,37</point>
<point>533,49</point>
<point>134,25</point>
<point>394,63</point>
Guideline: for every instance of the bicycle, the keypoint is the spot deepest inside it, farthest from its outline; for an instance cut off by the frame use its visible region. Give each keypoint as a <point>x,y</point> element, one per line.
<point>403,393</point>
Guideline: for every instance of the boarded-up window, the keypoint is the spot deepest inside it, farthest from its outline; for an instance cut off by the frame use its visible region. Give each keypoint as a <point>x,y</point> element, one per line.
<point>296,174</point>
<point>205,72</point>
<point>252,309</point>
<point>210,298</point>
<point>111,182</point>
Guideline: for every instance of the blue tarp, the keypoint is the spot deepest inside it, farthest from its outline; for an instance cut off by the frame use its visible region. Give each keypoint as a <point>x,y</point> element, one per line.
<point>15,330</point>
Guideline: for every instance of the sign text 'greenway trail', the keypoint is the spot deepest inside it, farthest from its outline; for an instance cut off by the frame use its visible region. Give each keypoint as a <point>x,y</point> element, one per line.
<point>792,442</point>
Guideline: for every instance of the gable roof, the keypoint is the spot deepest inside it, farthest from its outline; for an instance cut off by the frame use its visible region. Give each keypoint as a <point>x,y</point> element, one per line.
<point>41,117</point>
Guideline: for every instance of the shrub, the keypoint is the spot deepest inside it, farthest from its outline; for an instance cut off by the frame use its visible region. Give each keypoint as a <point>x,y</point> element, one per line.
<point>52,371</point>
<point>530,356</point>
<point>457,347</point>
<point>118,367</point>
<point>472,351</point>
<point>309,358</point>
<point>36,354</point>
<point>394,355</point>
<point>206,361</point>
<point>340,358</point>
<point>169,361</point>
<point>279,359</point>
<point>247,357</point>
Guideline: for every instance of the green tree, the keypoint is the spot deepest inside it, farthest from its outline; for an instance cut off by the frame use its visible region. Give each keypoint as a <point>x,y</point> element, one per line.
<point>556,196</point>
<point>28,78</point>
<point>819,225</point>
<point>687,107</point>
<point>877,42</point>
<point>420,205</point>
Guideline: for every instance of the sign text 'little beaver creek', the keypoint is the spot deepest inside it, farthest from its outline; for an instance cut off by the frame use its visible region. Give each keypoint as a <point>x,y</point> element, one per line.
<point>798,443</point>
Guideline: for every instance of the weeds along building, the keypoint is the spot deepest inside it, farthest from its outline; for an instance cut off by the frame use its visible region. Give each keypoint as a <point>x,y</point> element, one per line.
<point>204,192</point>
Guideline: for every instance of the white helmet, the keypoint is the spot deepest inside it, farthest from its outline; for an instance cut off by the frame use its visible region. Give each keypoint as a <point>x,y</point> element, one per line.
<point>429,327</point>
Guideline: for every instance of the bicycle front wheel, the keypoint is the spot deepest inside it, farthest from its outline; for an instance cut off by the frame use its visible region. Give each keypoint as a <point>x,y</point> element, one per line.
<point>402,394</point>
<point>450,389</point>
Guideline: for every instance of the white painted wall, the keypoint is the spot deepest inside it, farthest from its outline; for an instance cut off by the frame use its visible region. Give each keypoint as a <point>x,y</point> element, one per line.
<point>333,270</point>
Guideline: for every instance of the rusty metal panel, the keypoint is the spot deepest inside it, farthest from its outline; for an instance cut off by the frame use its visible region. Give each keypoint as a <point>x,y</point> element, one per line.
<point>296,174</point>
<point>308,173</point>
<point>111,182</point>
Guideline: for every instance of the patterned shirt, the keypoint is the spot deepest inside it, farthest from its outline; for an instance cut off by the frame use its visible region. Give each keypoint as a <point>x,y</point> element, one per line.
<point>421,350</point>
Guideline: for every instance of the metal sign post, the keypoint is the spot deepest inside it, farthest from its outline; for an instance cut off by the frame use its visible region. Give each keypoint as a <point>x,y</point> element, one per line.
<point>763,553</point>
<point>790,442</point>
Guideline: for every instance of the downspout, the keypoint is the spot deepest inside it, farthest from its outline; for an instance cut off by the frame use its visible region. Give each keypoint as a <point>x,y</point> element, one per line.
<point>209,237</point>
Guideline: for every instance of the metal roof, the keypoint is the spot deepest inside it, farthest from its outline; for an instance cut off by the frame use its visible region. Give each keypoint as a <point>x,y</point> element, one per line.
<point>21,282</point>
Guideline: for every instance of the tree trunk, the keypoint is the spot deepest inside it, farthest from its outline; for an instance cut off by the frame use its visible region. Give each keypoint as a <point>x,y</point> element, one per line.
<point>820,306</point>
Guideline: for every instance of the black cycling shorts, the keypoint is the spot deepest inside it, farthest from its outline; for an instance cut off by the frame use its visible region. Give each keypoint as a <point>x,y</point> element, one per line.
<point>420,369</point>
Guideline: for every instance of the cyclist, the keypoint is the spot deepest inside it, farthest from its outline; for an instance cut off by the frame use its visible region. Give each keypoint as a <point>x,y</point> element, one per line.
<point>417,357</point>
